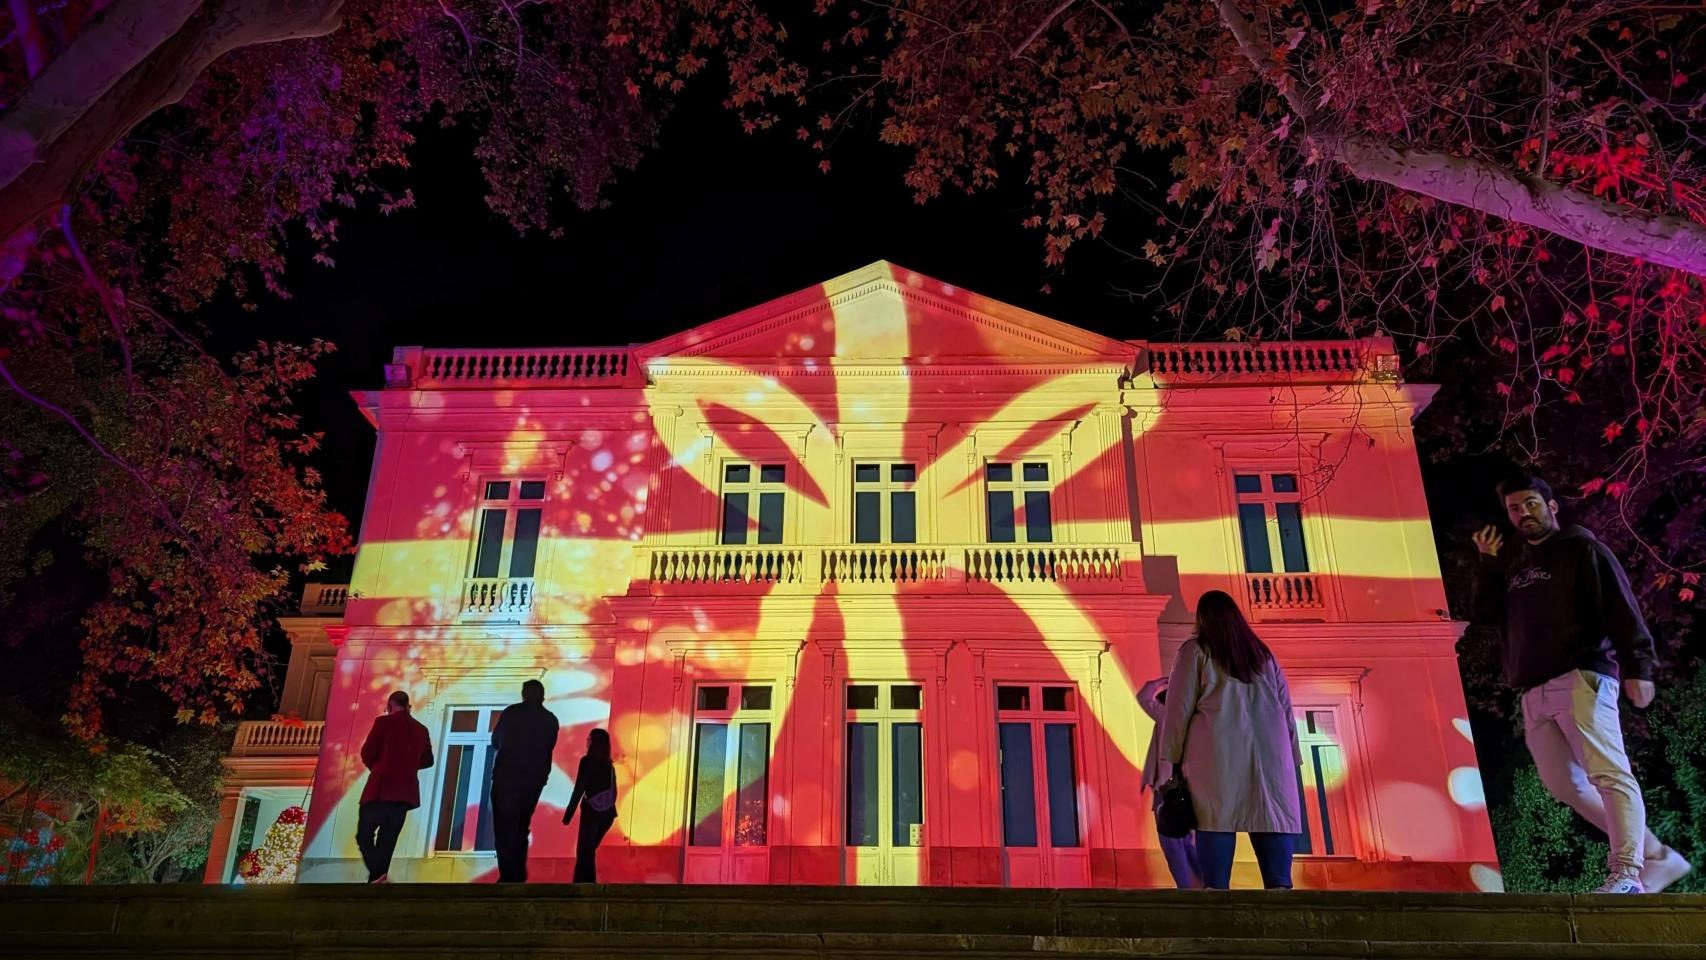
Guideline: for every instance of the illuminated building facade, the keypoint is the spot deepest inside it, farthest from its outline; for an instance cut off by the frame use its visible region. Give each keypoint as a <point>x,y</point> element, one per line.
<point>863,580</point>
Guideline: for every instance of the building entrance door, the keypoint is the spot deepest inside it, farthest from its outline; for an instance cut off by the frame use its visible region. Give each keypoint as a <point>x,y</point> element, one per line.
<point>1042,832</point>
<point>729,795</point>
<point>884,776</point>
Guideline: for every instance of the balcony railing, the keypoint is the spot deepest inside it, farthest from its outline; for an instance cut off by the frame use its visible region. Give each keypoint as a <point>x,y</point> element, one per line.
<point>725,565</point>
<point>1039,563</point>
<point>497,598</point>
<point>557,366</point>
<point>884,564</point>
<point>1297,361</point>
<point>323,599</point>
<point>277,738</point>
<point>1285,591</point>
<point>945,568</point>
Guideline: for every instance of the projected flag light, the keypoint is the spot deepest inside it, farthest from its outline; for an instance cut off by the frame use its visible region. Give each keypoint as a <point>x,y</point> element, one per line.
<point>862,583</point>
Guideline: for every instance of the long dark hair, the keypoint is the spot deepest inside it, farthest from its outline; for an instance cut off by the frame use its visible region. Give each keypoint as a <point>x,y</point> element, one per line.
<point>598,744</point>
<point>1226,637</point>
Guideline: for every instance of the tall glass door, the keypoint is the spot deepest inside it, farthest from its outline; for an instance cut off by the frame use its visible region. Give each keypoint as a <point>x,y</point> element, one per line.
<point>884,779</point>
<point>728,803</point>
<point>1041,828</point>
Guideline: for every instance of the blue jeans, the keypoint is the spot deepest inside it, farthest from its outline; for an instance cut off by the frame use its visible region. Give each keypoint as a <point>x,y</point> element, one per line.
<point>1181,854</point>
<point>1273,856</point>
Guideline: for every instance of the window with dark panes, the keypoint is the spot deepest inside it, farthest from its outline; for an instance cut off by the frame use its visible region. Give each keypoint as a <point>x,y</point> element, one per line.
<point>1018,502</point>
<point>462,822</point>
<point>754,496</point>
<point>506,534</point>
<point>1270,522</point>
<point>885,503</point>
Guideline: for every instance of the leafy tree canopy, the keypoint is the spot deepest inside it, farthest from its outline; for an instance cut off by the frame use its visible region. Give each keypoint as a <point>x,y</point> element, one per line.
<point>1519,179</point>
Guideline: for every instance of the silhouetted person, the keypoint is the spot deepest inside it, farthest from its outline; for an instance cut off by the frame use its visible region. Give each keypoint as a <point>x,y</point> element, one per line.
<point>1180,852</point>
<point>1230,731</point>
<point>526,735</point>
<point>595,784</point>
<point>397,749</point>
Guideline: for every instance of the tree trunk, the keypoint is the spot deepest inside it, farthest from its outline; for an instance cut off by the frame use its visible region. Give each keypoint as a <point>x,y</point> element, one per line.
<point>137,57</point>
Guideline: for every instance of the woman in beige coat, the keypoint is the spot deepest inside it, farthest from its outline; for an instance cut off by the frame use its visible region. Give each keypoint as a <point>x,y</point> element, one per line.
<point>1229,734</point>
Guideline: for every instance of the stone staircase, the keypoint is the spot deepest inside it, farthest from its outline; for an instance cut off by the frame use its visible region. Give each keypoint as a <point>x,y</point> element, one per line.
<point>428,922</point>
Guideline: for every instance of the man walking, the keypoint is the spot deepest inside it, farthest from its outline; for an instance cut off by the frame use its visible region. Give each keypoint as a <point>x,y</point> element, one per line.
<point>1572,629</point>
<point>397,749</point>
<point>524,739</point>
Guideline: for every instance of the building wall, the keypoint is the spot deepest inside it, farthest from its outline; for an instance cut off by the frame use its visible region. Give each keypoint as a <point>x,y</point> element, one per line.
<point>635,607</point>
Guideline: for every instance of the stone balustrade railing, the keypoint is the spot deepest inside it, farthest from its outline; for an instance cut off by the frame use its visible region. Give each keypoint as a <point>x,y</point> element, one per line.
<point>1295,361</point>
<point>884,567</point>
<point>875,564</point>
<point>552,366</point>
<point>1285,591</point>
<point>277,738</point>
<point>724,565</point>
<point>497,598</point>
<point>1046,563</point>
<point>323,599</point>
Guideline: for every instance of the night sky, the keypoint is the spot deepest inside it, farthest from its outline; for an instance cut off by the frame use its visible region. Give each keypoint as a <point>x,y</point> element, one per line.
<point>712,221</point>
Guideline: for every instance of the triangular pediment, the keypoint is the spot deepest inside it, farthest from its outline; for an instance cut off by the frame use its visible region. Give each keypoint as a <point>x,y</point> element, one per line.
<point>887,313</point>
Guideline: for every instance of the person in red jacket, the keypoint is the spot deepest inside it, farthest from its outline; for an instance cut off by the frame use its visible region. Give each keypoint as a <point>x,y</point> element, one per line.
<point>397,749</point>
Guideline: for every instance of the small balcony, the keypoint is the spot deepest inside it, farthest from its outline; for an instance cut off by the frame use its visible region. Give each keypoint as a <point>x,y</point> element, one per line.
<point>1290,361</point>
<point>278,738</point>
<point>884,568</point>
<point>507,599</point>
<point>1280,594</point>
<point>474,369</point>
<point>323,599</point>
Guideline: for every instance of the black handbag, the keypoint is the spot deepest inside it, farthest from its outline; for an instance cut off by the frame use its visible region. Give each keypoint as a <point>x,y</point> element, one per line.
<point>1177,816</point>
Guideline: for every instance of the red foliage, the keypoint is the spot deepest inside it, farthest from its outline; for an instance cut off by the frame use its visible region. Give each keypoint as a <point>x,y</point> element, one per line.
<point>1279,215</point>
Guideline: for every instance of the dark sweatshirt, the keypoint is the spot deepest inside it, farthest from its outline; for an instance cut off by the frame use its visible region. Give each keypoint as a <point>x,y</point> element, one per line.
<point>525,738</point>
<point>1565,604</point>
<point>594,776</point>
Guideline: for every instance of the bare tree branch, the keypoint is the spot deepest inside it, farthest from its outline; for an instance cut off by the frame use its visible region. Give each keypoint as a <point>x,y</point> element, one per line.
<point>1490,188</point>
<point>102,291</point>
<point>1493,189</point>
<point>1042,27</point>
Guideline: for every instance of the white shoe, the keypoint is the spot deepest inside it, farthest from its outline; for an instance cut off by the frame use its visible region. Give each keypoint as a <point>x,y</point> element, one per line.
<point>1664,871</point>
<point>1623,881</point>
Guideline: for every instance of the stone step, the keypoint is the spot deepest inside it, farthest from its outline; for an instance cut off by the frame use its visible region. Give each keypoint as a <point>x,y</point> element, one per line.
<point>490,945</point>
<point>471,922</point>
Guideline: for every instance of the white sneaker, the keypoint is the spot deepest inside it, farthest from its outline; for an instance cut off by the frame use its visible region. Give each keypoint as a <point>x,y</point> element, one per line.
<point>1623,881</point>
<point>1664,871</point>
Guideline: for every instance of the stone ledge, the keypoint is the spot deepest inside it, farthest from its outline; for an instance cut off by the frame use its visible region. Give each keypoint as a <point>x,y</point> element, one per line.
<point>431,945</point>
<point>141,913</point>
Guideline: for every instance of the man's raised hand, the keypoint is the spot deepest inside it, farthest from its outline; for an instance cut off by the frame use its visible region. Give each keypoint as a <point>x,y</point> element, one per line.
<point>1488,540</point>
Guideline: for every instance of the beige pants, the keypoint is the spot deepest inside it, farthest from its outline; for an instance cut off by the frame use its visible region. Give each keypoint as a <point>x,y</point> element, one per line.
<point>1574,732</point>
